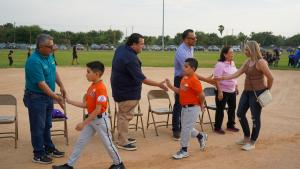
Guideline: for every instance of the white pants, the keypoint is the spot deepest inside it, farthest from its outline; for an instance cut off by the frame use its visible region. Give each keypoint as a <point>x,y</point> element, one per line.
<point>101,126</point>
<point>189,118</point>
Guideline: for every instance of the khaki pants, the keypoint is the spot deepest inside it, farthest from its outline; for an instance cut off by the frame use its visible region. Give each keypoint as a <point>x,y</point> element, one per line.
<point>125,114</point>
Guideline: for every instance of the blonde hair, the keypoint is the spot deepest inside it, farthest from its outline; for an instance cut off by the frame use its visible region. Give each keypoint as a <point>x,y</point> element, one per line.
<point>254,50</point>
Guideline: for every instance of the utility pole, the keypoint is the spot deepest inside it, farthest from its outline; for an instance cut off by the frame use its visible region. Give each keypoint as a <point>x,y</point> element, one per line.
<point>163,27</point>
<point>14,32</point>
<point>30,36</point>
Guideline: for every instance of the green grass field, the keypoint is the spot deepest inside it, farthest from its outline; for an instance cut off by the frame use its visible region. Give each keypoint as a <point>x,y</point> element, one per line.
<point>148,58</point>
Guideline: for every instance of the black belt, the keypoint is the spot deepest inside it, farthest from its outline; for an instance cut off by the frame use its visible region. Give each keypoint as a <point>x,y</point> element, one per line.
<point>188,105</point>
<point>99,116</point>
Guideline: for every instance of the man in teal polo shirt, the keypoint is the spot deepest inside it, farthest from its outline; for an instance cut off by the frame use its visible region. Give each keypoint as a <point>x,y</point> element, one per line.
<point>41,76</point>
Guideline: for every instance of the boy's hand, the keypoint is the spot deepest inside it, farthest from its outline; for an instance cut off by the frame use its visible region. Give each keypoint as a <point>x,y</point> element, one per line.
<point>162,86</point>
<point>210,79</point>
<point>218,78</point>
<point>79,126</point>
<point>168,82</point>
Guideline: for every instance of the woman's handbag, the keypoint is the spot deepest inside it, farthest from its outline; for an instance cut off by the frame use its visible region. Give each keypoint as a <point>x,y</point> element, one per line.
<point>264,98</point>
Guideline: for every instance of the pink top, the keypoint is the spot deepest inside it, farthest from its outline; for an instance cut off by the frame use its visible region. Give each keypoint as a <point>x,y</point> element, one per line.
<point>224,69</point>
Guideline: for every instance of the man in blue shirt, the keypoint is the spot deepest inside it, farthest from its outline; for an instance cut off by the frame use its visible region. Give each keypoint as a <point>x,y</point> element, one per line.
<point>126,83</point>
<point>184,51</point>
<point>297,58</point>
<point>41,76</point>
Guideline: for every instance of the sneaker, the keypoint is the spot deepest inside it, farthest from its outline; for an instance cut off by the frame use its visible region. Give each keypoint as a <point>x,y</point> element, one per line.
<point>65,166</point>
<point>202,141</point>
<point>55,153</point>
<point>176,136</point>
<point>180,154</point>
<point>243,141</point>
<point>128,147</point>
<point>248,147</point>
<point>219,131</point>
<point>42,160</point>
<point>131,140</point>
<point>233,129</point>
<point>119,166</point>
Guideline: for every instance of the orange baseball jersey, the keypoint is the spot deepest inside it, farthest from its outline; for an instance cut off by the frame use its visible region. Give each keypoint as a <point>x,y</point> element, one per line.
<point>190,89</point>
<point>96,95</point>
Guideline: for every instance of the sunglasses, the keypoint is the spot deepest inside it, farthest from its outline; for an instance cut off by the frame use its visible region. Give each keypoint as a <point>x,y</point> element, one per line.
<point>192,38</point>
<point>49,47</point>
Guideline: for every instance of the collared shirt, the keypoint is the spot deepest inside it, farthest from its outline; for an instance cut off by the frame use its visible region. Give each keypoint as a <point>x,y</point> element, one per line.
<point>96,95</point>
<point>225,69</point>
<point>40,68</point>
<point>126,75</point>
<point>183,52</point>
<point>190,89</point>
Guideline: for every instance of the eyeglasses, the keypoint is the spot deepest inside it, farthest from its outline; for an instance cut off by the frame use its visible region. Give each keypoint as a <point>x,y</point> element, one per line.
<point>49,47</point>
<point>192,38</point>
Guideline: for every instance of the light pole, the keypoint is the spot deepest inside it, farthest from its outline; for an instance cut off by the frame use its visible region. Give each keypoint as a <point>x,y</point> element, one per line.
<point>163,27</point>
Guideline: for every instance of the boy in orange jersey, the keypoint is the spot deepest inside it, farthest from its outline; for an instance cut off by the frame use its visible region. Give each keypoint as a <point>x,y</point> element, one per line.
<point>191,99</point>
<point>97,120</point>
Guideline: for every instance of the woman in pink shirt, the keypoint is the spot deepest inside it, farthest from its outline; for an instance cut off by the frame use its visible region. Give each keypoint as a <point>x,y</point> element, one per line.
<point>226,91</point>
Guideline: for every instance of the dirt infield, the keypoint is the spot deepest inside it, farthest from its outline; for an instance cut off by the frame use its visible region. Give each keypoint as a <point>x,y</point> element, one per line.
<point>277,148</point>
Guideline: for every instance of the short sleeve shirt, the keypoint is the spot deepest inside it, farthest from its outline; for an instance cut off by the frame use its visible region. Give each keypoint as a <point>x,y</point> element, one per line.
<point>40,68</point>
<point>96,95</point>
<point>226,69</point>
<point>190,89</point>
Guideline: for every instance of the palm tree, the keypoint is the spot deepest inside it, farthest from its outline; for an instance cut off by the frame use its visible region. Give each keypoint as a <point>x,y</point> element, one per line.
<point>221,29</point>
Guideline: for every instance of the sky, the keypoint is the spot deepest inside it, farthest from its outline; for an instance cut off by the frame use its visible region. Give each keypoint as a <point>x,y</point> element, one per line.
<point>282,17</point>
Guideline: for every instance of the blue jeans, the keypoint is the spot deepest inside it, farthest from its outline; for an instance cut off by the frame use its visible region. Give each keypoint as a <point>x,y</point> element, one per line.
<point>248,100</point>
<point>40,108</point>
<point>176,126</point>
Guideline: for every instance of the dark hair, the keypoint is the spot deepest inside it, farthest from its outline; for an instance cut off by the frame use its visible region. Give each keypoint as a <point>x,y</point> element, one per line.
<point>96,66</point>
<point>223,52</point>
<point>11,51</point>
<point>192,62</point>
<point>133,38</point>
<point>42,38</point>
<point>186,33</point>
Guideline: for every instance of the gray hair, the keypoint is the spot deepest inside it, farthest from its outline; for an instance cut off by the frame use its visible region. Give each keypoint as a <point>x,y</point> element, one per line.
<point>42,39</point>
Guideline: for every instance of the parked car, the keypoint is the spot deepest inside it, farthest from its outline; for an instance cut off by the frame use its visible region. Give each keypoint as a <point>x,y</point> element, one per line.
<point>171,48</point>
<point>79,47</point>
<point>95,47</point>
<point>156,48</point>
<point>213,48</point>
<point>22,46</point>
<point>236,48</point>
<point>106,47</point>
<point>62,47</point>
<point>199,48</point>
<point>2,45</point>
<point>11,46</point>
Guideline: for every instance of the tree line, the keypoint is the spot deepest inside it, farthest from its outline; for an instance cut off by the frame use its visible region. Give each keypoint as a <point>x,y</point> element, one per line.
<point>27,34</point>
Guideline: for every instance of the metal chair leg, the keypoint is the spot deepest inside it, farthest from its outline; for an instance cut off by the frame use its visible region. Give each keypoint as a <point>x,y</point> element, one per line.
<point>148,119</point>
<point>154,124</point>
<point>137,123</point>
<point>211,124</point>
<point>143,126</point>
